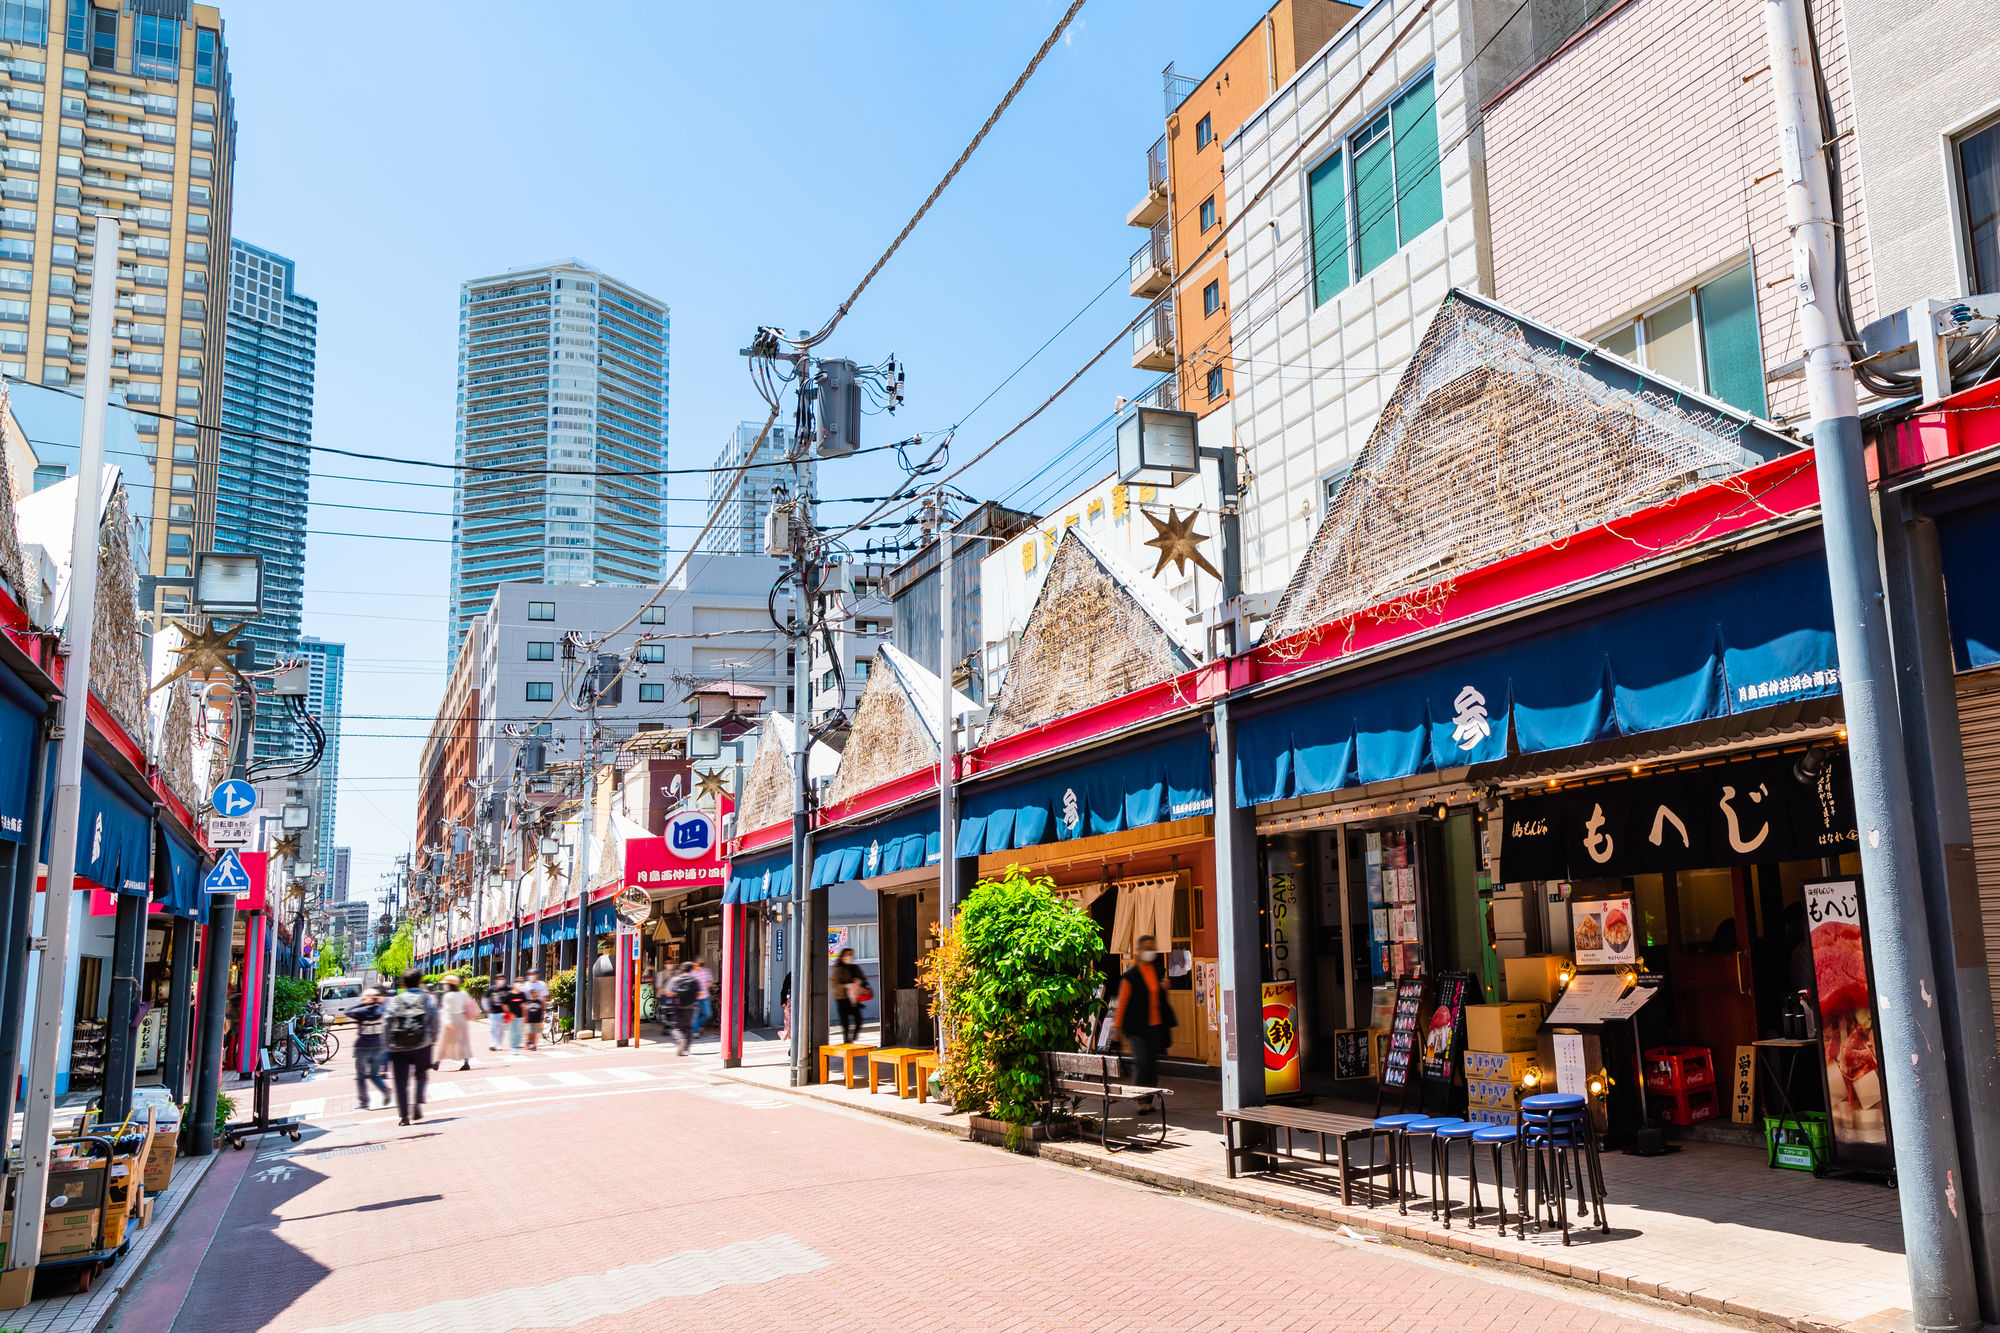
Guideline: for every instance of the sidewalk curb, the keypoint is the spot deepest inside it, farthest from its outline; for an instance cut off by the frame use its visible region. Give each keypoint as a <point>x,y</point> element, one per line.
<point>1456,1243</point>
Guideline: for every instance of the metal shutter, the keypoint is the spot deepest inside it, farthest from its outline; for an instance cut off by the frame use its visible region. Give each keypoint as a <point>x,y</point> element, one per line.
<point>1979,727</point>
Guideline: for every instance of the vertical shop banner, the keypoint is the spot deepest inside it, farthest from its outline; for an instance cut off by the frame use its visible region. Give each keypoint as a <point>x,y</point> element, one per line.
<point>1208,982</point>
<point>1743,1087</point>
<point>1282,1066</point>
<point>1285,922</point>
<point>1847,1023</point>
<point>1410,996</point>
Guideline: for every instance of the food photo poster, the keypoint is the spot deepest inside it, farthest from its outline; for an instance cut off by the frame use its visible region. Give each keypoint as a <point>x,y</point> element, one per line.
<point>1601,932</point>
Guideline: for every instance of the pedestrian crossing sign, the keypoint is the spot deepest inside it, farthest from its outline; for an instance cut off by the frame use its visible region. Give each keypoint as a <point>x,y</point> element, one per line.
<point>228,876</point>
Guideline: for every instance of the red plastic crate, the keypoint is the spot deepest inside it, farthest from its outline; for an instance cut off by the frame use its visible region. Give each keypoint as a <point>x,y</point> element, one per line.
<point>1679,1068</point>
<point>1685,1108</point>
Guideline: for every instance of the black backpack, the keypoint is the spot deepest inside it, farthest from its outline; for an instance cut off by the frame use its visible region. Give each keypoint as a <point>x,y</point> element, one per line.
<point>684,989</point>
<point>407,1023</point>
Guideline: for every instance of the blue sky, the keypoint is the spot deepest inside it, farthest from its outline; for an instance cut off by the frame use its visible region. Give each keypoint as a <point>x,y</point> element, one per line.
<point>745,164</point>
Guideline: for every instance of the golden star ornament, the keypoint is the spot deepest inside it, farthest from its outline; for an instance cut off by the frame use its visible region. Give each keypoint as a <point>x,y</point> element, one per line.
<point>1176,540</point>
<point>286,846</point>
<point>203,650</point>
<point>709,787</point>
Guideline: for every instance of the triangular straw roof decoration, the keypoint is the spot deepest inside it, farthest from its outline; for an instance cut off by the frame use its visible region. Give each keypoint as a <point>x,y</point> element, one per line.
<point>895,725</point>
<point>767,788</point>
<point>1502,436</point>
<point>1099,629</point>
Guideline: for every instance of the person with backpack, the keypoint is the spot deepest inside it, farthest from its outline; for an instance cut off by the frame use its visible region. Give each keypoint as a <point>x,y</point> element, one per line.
<point>409,1028</point>
<point>368,1052</point>
<point>683,997</point>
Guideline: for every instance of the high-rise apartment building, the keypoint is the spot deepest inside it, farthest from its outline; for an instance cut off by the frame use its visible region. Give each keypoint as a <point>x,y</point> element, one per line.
<point>739,525</point>
<point>565,368</point>
<point>123,109</point>
<point>265,461</point>
<point>326,670</point>
<point>343,869</point>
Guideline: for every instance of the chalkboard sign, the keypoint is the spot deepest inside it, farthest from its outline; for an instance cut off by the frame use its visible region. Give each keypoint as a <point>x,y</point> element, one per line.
<point>1411,993</point>
<point>1350,1053</point>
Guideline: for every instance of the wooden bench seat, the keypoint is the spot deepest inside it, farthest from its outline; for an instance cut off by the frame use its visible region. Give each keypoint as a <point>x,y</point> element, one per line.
<point>902,1059</point>
<point>1345,1130</point>
<point>1090,1077</point>
<point>924,1066</point>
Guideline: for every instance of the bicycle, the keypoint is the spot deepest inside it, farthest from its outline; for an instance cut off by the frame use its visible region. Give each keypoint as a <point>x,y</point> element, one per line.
<point>292,1050</point>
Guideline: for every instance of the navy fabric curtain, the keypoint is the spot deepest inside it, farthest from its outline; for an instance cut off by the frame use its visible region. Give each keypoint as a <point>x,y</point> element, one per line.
<point>1969,547</point>
<point>760,880</point>
<point>181,873</point>
<point>114,831</point>
<point>1747,641</point>
<point>1168,780</point>
<point>904,843</point>
<point>20,710</point>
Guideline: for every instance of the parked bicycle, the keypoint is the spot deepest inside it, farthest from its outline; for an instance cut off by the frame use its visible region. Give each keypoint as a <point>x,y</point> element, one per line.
<point>295,1050</point>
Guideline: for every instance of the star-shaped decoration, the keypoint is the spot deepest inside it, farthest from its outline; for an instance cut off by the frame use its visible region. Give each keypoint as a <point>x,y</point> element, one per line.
<point>287,846</point>
<point>202,650</point>
<point>709,787</point>
<point>1176,540</point>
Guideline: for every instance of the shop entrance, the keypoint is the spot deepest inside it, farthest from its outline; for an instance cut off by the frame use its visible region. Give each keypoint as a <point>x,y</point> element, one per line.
<point>1710,968</point>
<point>909,922</point>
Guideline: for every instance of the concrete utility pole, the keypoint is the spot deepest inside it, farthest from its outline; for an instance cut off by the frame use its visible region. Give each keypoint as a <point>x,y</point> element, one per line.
<point>947,732</point>
<point>24,1252</point>
<point>1913,1052</point>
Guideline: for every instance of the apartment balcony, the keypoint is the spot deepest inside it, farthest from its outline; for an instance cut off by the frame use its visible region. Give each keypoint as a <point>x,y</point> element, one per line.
<point>1153,339</point>
<point>1153,207</point>
<point>1152,264</point>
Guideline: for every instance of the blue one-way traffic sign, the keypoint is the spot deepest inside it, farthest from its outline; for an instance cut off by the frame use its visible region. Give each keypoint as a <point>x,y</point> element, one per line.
<point>229,876</point>
<point>233,798</point>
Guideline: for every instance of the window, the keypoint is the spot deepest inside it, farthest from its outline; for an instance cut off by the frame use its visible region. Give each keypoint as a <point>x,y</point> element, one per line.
<point>1331,483</point>
<point>156,50</point>
<point>1215,384</point>
<point>1204,134</point>
<point>541,651</point>
<point>652,652</point>
<point>103,38</point>
<point>652,694</point>
<point>828,681</point>
<point>541,610</point>
<point>1378,192</point>
<point>541,691</point>
<point>653,615</point>
<point>1979,177</point>
<point>861,670</point>
<point>1706,339</point>
<point>1208,213</point>
<point>204,57</point>
<point>24,21</point>
<point>79,19</point>
<point>1211,297</point>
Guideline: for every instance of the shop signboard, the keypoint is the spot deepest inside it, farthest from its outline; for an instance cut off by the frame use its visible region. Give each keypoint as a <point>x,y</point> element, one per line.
<point>1745,812</point>
<point>1848,1027</point>
<point>1282,1066</point>
<point>1601,932</point>
<point>1743,1087</point>
<point>1350,1053</point>
<point>687,856</point>
<point>1571,1074</point>
<point>1588,996</point>
<point>1444,1031</point>
<point>836,940</point>
<point>1410,996</point>
<point>1207,984</point>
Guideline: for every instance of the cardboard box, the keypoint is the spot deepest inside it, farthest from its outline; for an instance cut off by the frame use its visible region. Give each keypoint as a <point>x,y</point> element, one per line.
<point>1485,1092</point>
<point>160,1162</point>
<point>1487,1115</point>
<point>1499,1066</point>
<point>1502,1027</point>
<point>1535,978</point>
<point>69,1233</point>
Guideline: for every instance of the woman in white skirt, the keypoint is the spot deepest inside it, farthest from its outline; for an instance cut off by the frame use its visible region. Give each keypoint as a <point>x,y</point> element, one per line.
<point>455,1014</point>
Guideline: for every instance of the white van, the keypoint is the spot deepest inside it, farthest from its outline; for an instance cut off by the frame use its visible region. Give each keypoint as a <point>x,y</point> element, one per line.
<point>337,995</point>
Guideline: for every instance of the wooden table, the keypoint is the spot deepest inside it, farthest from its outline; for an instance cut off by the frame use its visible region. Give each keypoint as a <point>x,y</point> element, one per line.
<point>902,1057</point>
<point>848,1053</point>
<point>923,1067</point>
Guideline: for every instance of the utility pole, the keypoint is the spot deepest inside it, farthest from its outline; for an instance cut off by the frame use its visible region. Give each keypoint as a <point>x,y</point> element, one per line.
<point>36,1148</point>
<point>582,879</point>
<point>947,742</point>
<point>1914,1055</point>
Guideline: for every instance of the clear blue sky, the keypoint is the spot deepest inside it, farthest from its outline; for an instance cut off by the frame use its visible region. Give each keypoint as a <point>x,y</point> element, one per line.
<point>745,164</point>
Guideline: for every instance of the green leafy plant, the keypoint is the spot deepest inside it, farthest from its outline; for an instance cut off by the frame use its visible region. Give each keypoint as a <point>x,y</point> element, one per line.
<point>1017,978</point>
<point>562,991</point>
<point>394,958</point>
<point>475,985</point>
<point>291,998</point>
<point>225,1110</point>
<point>332,959</point>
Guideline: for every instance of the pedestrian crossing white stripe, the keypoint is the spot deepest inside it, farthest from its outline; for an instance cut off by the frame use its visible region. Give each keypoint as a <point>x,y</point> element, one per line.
<point>508,1083</point>
<point>443,1092</point>
<point>309,1107</point>
<point>573,1077</point>
<point>632,1075</point>
<point>577,1300</point>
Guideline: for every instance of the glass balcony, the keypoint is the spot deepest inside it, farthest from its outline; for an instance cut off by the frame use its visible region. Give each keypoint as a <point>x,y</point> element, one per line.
<point>1153,339</point>
<point>1152,263</point>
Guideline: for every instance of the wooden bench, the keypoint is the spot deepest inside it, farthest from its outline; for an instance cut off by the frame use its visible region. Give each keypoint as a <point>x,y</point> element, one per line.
<point>923,1067</point>
<point>848,1053</point>
<point>1345,1130</point>
<point>901,1058</point>
<point>1088,1078</point>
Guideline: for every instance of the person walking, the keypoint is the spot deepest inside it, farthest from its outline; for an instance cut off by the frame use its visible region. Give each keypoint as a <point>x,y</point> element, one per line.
<point>785,1007</point>
<point>517,1016</point>
<point>534,1006</point>
<point>455,1009</point>
<point>850,984</point>
<point>1145,1017</point>
<point>705,1006</point>
<point>683,1000</point>
<point>369,1055</point>
<point>496,1012</point>
<point>410,1029</point>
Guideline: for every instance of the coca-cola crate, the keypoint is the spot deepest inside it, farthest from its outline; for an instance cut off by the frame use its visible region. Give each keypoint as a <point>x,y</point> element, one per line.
<point>1684,1108</point>
<point>1679,1068</point>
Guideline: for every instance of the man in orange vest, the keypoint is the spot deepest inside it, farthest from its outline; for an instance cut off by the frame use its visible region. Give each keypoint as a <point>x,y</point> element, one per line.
<point>1145,1017</point>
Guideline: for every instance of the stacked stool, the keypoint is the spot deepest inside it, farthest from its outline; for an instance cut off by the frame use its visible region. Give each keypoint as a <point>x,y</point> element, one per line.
<point>1556,1144</point>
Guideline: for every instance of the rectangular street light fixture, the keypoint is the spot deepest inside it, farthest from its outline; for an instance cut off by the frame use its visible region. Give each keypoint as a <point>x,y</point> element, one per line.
<point>1156,447</point>
<point>704,743</point>
<point>229,583</point>
<point>296,817</point>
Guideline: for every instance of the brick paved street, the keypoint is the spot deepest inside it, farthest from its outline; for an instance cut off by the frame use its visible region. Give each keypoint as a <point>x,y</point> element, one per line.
<point>607,1189</point>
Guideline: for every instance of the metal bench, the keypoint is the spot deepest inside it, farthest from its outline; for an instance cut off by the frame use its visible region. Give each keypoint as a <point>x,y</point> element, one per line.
<point>1094,1078</point>
<point>1344,1130</point>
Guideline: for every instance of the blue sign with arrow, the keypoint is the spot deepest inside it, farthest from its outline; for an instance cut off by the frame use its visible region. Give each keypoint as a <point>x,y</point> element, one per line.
<point>228,876</point>
<point>233,798</point>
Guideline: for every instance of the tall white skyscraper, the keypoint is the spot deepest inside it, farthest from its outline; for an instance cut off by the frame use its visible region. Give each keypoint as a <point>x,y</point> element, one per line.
<point>739,529</point>
<point>562,376</point>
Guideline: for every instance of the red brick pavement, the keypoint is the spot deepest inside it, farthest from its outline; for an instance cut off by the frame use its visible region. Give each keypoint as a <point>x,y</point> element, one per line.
<point>517,1189</point>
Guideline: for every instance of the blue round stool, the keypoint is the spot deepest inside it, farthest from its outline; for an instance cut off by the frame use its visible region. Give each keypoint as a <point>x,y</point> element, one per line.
<point>1441,1141</point>
<point>1496,1137</point>
<point>1391,1128</point>
<point>1421,1128</point>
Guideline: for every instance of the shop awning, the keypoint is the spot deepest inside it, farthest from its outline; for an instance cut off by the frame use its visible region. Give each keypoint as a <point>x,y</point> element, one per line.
<point>1969,550</point>
<point>179,877</point>
<point>603,919</point>
<point>114,831</point>
<point>485,948</point>
<point>760,880</point>
<point>20,709</point>
<point>1172,779</point>
<point>1737,642</point>
<point>905,843</point>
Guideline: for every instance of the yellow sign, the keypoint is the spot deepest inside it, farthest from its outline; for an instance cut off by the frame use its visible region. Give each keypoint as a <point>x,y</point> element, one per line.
<point>1282,1067</point>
